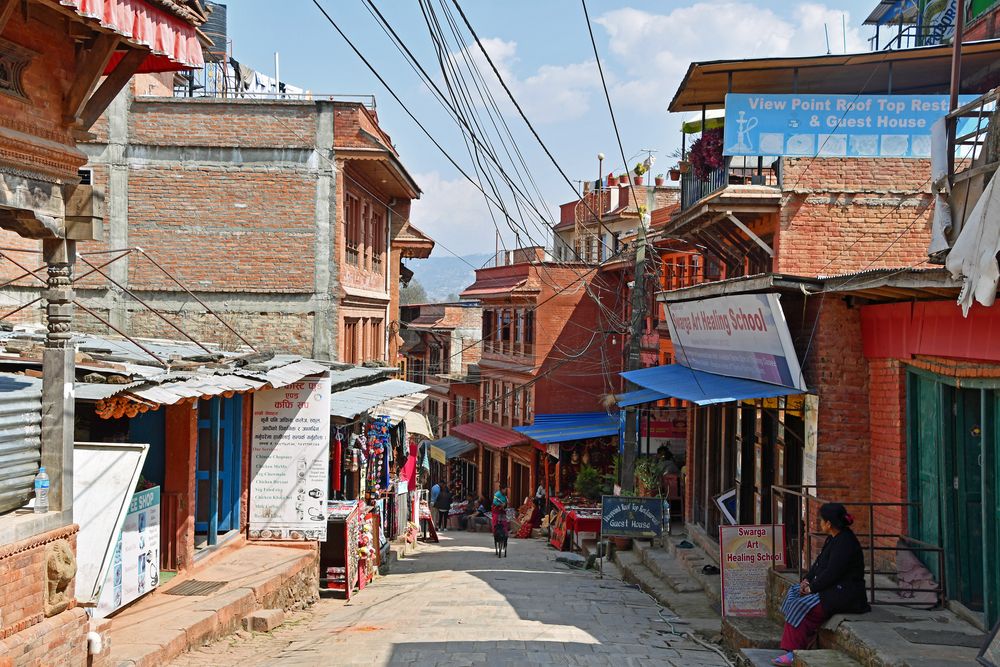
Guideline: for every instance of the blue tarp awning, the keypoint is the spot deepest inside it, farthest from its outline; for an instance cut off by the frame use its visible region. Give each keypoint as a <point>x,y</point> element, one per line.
<point>701,388</point>
<point>452,446</point>
<point>563,428</point>
<point>638,397</point>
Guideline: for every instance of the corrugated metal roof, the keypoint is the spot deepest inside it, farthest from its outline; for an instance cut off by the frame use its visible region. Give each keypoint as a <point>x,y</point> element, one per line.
<point>20,438</point>
<point>352,402</point>
<point>396,408</point>
<point>85,391</point>
<point>490,435</point>
<point>566,427</point>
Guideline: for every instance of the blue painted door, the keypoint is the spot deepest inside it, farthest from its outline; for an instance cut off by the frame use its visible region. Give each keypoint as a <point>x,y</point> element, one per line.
<point>217,475</point>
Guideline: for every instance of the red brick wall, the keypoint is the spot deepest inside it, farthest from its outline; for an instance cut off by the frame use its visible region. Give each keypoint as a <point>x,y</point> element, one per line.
<point>159,121</point>
<point>887,413</point>
<point>26,636</point>
<point>837,371</point>
<point>848,214</point>
<point>204,226</point>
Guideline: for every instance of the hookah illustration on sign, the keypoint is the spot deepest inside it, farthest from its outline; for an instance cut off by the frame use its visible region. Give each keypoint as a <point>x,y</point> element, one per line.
<point>743,126</point>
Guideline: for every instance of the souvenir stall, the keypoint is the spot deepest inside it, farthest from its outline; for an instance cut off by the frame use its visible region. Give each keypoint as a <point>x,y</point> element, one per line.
<point>578,466</point>
<point>339,555</point>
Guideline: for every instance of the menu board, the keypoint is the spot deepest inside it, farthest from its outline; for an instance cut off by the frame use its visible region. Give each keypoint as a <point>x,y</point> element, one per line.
<point>748,553</point>
<point>290,461</point>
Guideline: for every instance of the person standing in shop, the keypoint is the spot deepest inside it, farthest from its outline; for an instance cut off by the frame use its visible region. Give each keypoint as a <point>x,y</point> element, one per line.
<point>443,505</point>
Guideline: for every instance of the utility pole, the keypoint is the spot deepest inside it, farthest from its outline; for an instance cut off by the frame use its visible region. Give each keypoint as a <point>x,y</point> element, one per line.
<point>630,448</point>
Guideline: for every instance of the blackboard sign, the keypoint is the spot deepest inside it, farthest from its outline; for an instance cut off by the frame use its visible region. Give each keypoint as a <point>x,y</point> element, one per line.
<point>627,516</point>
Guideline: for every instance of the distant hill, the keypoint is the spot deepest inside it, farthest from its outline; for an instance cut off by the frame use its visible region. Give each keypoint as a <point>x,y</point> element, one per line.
<point>445,275</point>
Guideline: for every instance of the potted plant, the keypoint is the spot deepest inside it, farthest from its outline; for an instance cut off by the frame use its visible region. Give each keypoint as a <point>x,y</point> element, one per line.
<point>647,476</point>
<point>675,174</point>
<point>660,180</point>
<point>706,154</point>
<point>612,180</point>
<point>623,178</point>
<point>683,166</point>
<point>639,170</point>
<point>589,483</point>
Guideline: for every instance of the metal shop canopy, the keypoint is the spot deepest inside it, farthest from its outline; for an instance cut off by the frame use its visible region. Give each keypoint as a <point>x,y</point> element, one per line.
<point>563,428</point>
<point>490,435</point>
<point>638,397</point>
<point>701,388</point>
<point>352,402</point>
<point>448,448</point>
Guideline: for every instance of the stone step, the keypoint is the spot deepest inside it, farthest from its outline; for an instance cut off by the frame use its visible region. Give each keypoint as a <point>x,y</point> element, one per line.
<point>693,560</point>
<point>741,633</point>
<point>697,612</point>
<point>668,569</point>
<point>761,657</point>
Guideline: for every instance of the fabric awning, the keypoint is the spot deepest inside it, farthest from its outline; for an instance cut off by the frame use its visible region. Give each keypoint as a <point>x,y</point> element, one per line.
<point>638,397</point>
<point>352,402</point>
<point>417,424</point>
<point>451,446</point>
<point>563,428</point>
<point>490,435</point>
<point>397,408</point>
<point>173,42</point>
<point>703,388</point>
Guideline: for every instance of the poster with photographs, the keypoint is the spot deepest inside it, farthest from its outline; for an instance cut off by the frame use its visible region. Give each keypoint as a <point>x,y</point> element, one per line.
<point>135,565</point>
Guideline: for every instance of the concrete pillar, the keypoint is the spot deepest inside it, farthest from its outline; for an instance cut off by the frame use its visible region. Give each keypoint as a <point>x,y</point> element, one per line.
<point>58,374</point>
<point>117,204</point>
<point>326,209</point>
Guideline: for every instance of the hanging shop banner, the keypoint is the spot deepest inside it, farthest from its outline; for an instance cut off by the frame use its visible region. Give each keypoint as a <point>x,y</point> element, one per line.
<point>290,461</point>
<point>747,554</point>
<point>628,516</point>
<point>740,336</point>
<point>671,431</point>
<point>832,125</point>
<point>135,562</point>
<point>939,21</point>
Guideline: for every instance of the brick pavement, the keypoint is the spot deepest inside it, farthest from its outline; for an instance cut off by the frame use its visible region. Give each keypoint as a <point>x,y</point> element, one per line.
<point>456,604</point>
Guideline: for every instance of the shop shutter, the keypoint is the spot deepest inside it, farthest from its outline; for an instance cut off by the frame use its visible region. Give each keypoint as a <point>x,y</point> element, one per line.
<point>20,439</point>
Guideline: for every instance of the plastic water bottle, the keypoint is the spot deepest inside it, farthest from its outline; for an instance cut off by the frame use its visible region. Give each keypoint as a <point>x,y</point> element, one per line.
<point>41,491</point>
<point>666,517</point>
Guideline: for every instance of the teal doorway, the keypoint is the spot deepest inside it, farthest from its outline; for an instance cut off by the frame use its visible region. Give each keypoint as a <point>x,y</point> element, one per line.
<point>218,480</point>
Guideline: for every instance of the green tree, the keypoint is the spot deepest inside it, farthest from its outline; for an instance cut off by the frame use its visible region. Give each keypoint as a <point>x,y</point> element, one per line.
<point>412,293</point>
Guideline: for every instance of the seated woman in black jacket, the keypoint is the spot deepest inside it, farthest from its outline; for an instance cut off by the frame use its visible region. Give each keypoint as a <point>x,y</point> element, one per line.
<point>835,584</point>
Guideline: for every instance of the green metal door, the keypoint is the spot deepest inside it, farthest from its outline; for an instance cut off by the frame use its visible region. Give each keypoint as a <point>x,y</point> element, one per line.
<point>925,421</point>
<point>965,459</point>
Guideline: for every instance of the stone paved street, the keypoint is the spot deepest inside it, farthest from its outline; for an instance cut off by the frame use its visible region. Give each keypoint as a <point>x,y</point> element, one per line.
<point>456,604</point>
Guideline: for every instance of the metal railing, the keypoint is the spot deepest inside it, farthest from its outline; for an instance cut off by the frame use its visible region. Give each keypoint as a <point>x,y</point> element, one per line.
<point>694,189</point>
<point>870,540</point>
<point>908,36</point>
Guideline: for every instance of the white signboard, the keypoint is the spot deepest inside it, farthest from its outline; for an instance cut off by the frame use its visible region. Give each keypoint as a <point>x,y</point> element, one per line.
<point>290,461</point>
<point>135,562</point>
<point>748,553</point>
<point>810,449</point>
<point>742,336</point>
<point>104,477</point>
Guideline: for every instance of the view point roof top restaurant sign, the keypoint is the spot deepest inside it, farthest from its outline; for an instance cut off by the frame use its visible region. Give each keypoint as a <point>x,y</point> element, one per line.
<point>832,125</point>
<point>742,336</point>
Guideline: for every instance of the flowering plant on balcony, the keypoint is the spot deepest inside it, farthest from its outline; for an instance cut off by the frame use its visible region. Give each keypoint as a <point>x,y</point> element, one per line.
<point>706,153</point>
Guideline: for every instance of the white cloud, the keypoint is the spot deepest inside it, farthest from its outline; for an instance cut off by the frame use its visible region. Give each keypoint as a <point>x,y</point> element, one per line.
<point>453,213</point>
<point>551,93</point>
<point>656,49</point>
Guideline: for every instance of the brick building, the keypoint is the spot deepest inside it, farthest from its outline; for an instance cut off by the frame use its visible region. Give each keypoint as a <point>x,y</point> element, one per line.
<point>549,348</point>
<point>54,55</point>
<point>444,345</point>
<point>288,218</point>
<point>783,228</point>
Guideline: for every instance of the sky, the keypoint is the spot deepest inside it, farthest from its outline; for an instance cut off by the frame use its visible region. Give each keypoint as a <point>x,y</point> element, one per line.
<point>543,50</point>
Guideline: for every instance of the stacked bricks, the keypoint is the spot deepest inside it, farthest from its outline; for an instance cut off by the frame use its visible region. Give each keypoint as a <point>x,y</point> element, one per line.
<point>27,637</point>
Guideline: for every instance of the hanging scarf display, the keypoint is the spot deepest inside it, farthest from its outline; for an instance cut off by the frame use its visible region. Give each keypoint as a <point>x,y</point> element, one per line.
<point>376,445</point>
<point>336,457</point>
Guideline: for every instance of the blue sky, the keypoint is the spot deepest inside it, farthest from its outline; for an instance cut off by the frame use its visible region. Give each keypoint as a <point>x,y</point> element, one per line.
<point>544,52</point>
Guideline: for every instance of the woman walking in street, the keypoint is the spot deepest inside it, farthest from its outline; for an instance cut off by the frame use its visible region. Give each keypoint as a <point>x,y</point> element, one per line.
<point>499,507</point>
<point>443,505</point>
<point>835,584</point>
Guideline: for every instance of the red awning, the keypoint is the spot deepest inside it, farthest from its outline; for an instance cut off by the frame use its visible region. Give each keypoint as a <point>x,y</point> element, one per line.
<point>174,43</point>
<point>488,286</point>
<point>490,435</point>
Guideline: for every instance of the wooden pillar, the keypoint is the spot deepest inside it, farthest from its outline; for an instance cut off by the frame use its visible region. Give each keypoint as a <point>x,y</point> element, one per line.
<point>548,489</point>
<point>531,472</point>
<point>179,479</point>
